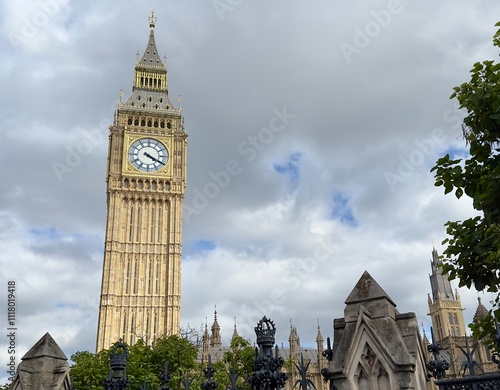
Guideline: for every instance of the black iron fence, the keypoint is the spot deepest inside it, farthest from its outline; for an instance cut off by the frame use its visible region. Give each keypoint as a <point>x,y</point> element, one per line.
<point>482,382</point>
<point>267,373</point>
<point>437,368</point>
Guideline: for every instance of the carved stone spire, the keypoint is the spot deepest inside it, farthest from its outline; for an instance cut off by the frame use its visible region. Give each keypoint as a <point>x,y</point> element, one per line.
<point>215,339</point>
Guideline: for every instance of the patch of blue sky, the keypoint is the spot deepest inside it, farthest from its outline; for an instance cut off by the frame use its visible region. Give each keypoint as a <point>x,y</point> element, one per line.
<point>63,305</point>
<point>342,210</point>
<point>48,232</point>
<point>457,152</point>
<point>291,167</point>
<point>204,245</point>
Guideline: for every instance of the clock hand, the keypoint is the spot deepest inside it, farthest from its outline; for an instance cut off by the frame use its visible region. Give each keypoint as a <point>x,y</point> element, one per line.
<point>152,158</point>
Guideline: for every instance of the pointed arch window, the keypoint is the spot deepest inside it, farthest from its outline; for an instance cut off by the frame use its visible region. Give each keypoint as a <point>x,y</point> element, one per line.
<point>138,227</point>
<point>131,224</point>
<point>363,381</point>
<point>383,381</point>
<point>132,328</point>
<point>158,237</point>
<point>127,279</point>
<point>157,278</point>
<point>150,275</point>
<point>152,234</point>
<point>124,324</point>
<point>136,275</point>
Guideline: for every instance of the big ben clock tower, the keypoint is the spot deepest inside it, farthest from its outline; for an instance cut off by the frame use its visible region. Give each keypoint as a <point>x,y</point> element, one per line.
<point>146,178</point>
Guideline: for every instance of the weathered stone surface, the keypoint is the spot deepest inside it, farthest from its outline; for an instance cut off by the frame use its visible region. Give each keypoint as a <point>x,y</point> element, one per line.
<point>44,367</point>
<point>374,345</point>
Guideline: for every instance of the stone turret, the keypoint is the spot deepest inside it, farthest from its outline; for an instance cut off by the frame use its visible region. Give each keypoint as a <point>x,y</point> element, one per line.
<point>44,367</point>
<point>205,345</point>
<point>215,339</point>
<point>374,345</point>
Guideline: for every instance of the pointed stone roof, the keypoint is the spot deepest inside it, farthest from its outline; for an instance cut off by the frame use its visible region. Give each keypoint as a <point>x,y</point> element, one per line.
<point>151,58</point>
<point>319,336</point>
<point>235,330</point>
<point>44,367</point>
<point>45,347</point>
<point>294,336</point>
<point>440,285</point>
<point>481,311</point>
<point>425,340</point>
<point>367,289</point>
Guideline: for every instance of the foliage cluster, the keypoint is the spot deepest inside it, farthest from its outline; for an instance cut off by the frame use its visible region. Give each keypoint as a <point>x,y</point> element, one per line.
<point>472,252</point>
<point>146,364</point>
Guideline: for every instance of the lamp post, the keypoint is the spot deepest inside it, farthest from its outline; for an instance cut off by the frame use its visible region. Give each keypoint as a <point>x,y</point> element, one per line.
<point>326,372</point>
<point>267,373</point>
<point>117,377</point>
<point>437,366</point>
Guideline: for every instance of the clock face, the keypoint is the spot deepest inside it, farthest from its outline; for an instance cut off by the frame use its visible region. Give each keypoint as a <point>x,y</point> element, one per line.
<point>148,155</point>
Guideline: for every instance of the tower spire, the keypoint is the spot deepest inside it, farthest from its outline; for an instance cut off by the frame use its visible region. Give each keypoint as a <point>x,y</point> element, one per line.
<point>235,331</point>
<point>152,20</point>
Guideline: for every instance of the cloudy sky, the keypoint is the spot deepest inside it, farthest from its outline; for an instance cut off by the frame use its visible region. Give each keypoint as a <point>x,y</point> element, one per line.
<point>312,129</point>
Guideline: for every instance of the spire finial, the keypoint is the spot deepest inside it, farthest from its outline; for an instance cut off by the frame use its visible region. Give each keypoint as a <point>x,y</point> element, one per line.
<point>152,20</point>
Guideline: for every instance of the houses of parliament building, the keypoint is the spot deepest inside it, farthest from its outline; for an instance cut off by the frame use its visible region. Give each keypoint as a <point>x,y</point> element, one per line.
<point>141,278</point>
